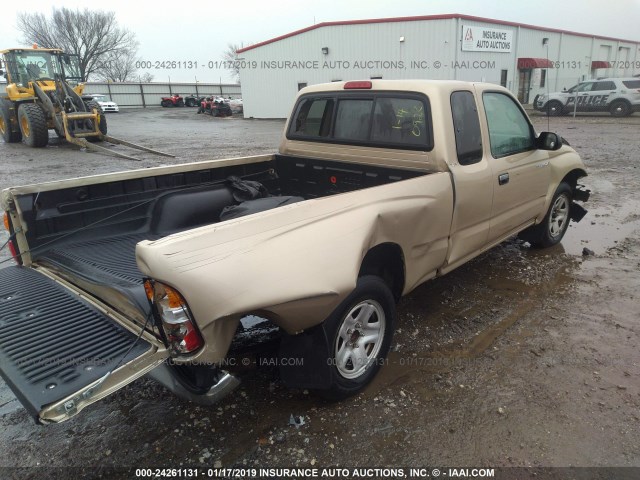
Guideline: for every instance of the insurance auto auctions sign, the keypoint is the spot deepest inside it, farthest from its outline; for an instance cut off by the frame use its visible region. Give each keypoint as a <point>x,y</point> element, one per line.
<point>480,39</point>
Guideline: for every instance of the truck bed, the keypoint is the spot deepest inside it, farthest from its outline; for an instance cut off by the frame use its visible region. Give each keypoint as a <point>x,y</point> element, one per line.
<point>89,233</point>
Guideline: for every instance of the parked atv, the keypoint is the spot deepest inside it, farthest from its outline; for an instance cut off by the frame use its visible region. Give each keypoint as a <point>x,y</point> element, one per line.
<point>174,100</point>
<point>193,100</point>
<point>215,106</point>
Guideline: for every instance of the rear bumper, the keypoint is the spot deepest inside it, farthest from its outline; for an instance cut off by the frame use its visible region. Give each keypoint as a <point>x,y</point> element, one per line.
<point>225,385</point>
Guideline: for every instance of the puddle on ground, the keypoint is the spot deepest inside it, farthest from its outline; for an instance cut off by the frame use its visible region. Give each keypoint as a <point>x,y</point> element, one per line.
<point>602,228</point>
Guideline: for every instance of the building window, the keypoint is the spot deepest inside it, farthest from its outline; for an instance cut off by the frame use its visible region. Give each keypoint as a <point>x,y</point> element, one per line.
<point>543,78</point>
<point>301,85</point>
<point>503,78</point>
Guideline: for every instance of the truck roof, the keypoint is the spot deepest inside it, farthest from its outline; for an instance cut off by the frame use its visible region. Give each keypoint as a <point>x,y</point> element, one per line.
<point>416,85</point>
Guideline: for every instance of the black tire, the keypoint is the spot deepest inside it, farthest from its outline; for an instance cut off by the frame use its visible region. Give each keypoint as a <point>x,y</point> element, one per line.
<point>554,108</point>
<point>6,130</point>
<point>180,103</point>
<point>620,108</point>
<point>102,126</point>
<point>353,364</point>
<point>550,231</point>
<point>191,102</point>
<point>33,125</point>
<point>166,103</point>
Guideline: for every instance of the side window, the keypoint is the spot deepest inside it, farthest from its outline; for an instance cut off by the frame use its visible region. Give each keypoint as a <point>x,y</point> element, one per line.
<point>313,118</point>
<point>585,87</point>
<point>467,128</point>
<point>606,85</point>
<point>509,130</point>
<point>353,120</point>
<point>399,120</point>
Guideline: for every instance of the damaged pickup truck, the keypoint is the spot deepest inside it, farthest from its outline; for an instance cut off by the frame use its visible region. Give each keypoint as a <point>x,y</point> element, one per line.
<point>377,187</point>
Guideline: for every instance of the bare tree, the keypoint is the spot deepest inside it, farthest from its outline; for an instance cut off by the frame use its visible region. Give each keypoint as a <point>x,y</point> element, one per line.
<point>118,66</point>
<point>230,56</point>
<point>89,34</point>
<point>146,77</point>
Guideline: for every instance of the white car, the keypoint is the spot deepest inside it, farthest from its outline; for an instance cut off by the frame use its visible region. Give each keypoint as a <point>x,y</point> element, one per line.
<point>104,102</point>
<point>618,96</point>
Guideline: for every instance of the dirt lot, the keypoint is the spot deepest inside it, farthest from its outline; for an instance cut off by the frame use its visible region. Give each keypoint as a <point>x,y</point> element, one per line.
<point>519,358</point>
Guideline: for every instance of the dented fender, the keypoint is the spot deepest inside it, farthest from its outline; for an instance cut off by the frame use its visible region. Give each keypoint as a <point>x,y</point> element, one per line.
<point>296,263</point>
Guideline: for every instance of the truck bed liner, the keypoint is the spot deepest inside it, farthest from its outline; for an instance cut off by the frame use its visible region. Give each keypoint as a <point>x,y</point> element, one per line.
<point>111,256</point>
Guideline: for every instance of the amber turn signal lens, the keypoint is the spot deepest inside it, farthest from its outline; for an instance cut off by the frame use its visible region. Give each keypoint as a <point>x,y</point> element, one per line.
<point>6,222</point>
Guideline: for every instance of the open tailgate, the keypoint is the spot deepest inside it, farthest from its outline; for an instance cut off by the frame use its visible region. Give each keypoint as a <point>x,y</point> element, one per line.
<point>59,351</point>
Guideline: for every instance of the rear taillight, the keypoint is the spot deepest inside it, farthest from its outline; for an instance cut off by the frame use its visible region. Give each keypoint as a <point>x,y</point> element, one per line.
<point>11,245</point>
<point>179,328</point>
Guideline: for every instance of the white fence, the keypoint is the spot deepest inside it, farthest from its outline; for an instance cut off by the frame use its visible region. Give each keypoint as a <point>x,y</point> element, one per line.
<point>150,94</point>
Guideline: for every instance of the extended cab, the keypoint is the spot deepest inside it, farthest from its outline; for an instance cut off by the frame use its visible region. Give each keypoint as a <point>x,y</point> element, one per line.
<point>378,186</point>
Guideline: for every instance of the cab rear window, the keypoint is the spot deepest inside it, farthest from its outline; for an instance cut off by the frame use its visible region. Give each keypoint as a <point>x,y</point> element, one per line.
<point>378,120</point>
<point>631,83</point>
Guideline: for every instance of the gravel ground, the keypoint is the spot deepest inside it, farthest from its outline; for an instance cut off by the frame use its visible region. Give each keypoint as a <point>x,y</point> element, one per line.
<point>519,358</point>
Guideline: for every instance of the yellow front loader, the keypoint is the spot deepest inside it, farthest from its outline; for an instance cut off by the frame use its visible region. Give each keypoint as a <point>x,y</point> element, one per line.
<point>44,93</point>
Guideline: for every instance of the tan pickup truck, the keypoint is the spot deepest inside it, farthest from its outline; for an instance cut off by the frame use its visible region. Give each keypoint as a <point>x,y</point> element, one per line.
<point>377,187</point>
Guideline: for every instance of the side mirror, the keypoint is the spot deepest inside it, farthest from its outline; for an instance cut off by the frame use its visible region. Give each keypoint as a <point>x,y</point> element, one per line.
<point>564,89</point>
<point>2,73</point>
<point>549,141</point>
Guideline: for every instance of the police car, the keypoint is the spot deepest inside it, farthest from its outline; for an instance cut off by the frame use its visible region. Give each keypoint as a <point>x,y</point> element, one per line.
<point>618,96</point>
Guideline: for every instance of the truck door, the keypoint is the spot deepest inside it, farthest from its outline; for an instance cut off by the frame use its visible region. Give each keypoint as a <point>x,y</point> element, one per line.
<point>521,173</point>
<point>472,179</point>
<point>60,351</point>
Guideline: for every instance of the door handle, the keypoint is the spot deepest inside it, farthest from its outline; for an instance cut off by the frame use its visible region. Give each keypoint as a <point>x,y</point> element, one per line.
<point>503,178</point>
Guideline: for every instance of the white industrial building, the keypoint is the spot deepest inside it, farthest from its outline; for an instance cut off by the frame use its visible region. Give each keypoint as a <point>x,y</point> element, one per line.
<point>524,58</point>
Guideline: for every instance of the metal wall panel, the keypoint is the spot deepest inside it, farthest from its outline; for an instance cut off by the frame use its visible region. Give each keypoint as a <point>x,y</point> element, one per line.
<point>431,49</point>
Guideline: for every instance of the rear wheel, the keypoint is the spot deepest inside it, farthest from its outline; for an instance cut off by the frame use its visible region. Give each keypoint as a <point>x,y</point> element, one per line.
<point>180,103</point>
<point>166,103</point>
<point>620,108</point>
<point>359,333</point>
<point>102,126</point>
<point>33,125</point>
<point>8,135</point>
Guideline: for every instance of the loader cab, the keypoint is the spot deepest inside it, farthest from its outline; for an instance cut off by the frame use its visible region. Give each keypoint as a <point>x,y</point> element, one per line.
<point>24,66</point>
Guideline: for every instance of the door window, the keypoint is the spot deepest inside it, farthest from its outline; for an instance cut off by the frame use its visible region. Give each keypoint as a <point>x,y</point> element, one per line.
<point>467,128</point>
<point>509,130</point>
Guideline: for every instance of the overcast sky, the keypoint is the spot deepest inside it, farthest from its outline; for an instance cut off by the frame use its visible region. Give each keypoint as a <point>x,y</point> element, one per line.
<point>200,30</point>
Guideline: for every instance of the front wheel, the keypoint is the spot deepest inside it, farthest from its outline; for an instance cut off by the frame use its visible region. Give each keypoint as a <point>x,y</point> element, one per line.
<point>33,125</point>
<point>554,108</point>
<point>359,333</point>
<point>551,230</point>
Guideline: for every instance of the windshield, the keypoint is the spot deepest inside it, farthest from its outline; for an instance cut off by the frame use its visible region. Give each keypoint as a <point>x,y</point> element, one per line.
<point>99,98</point>
<point>27,66</point>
